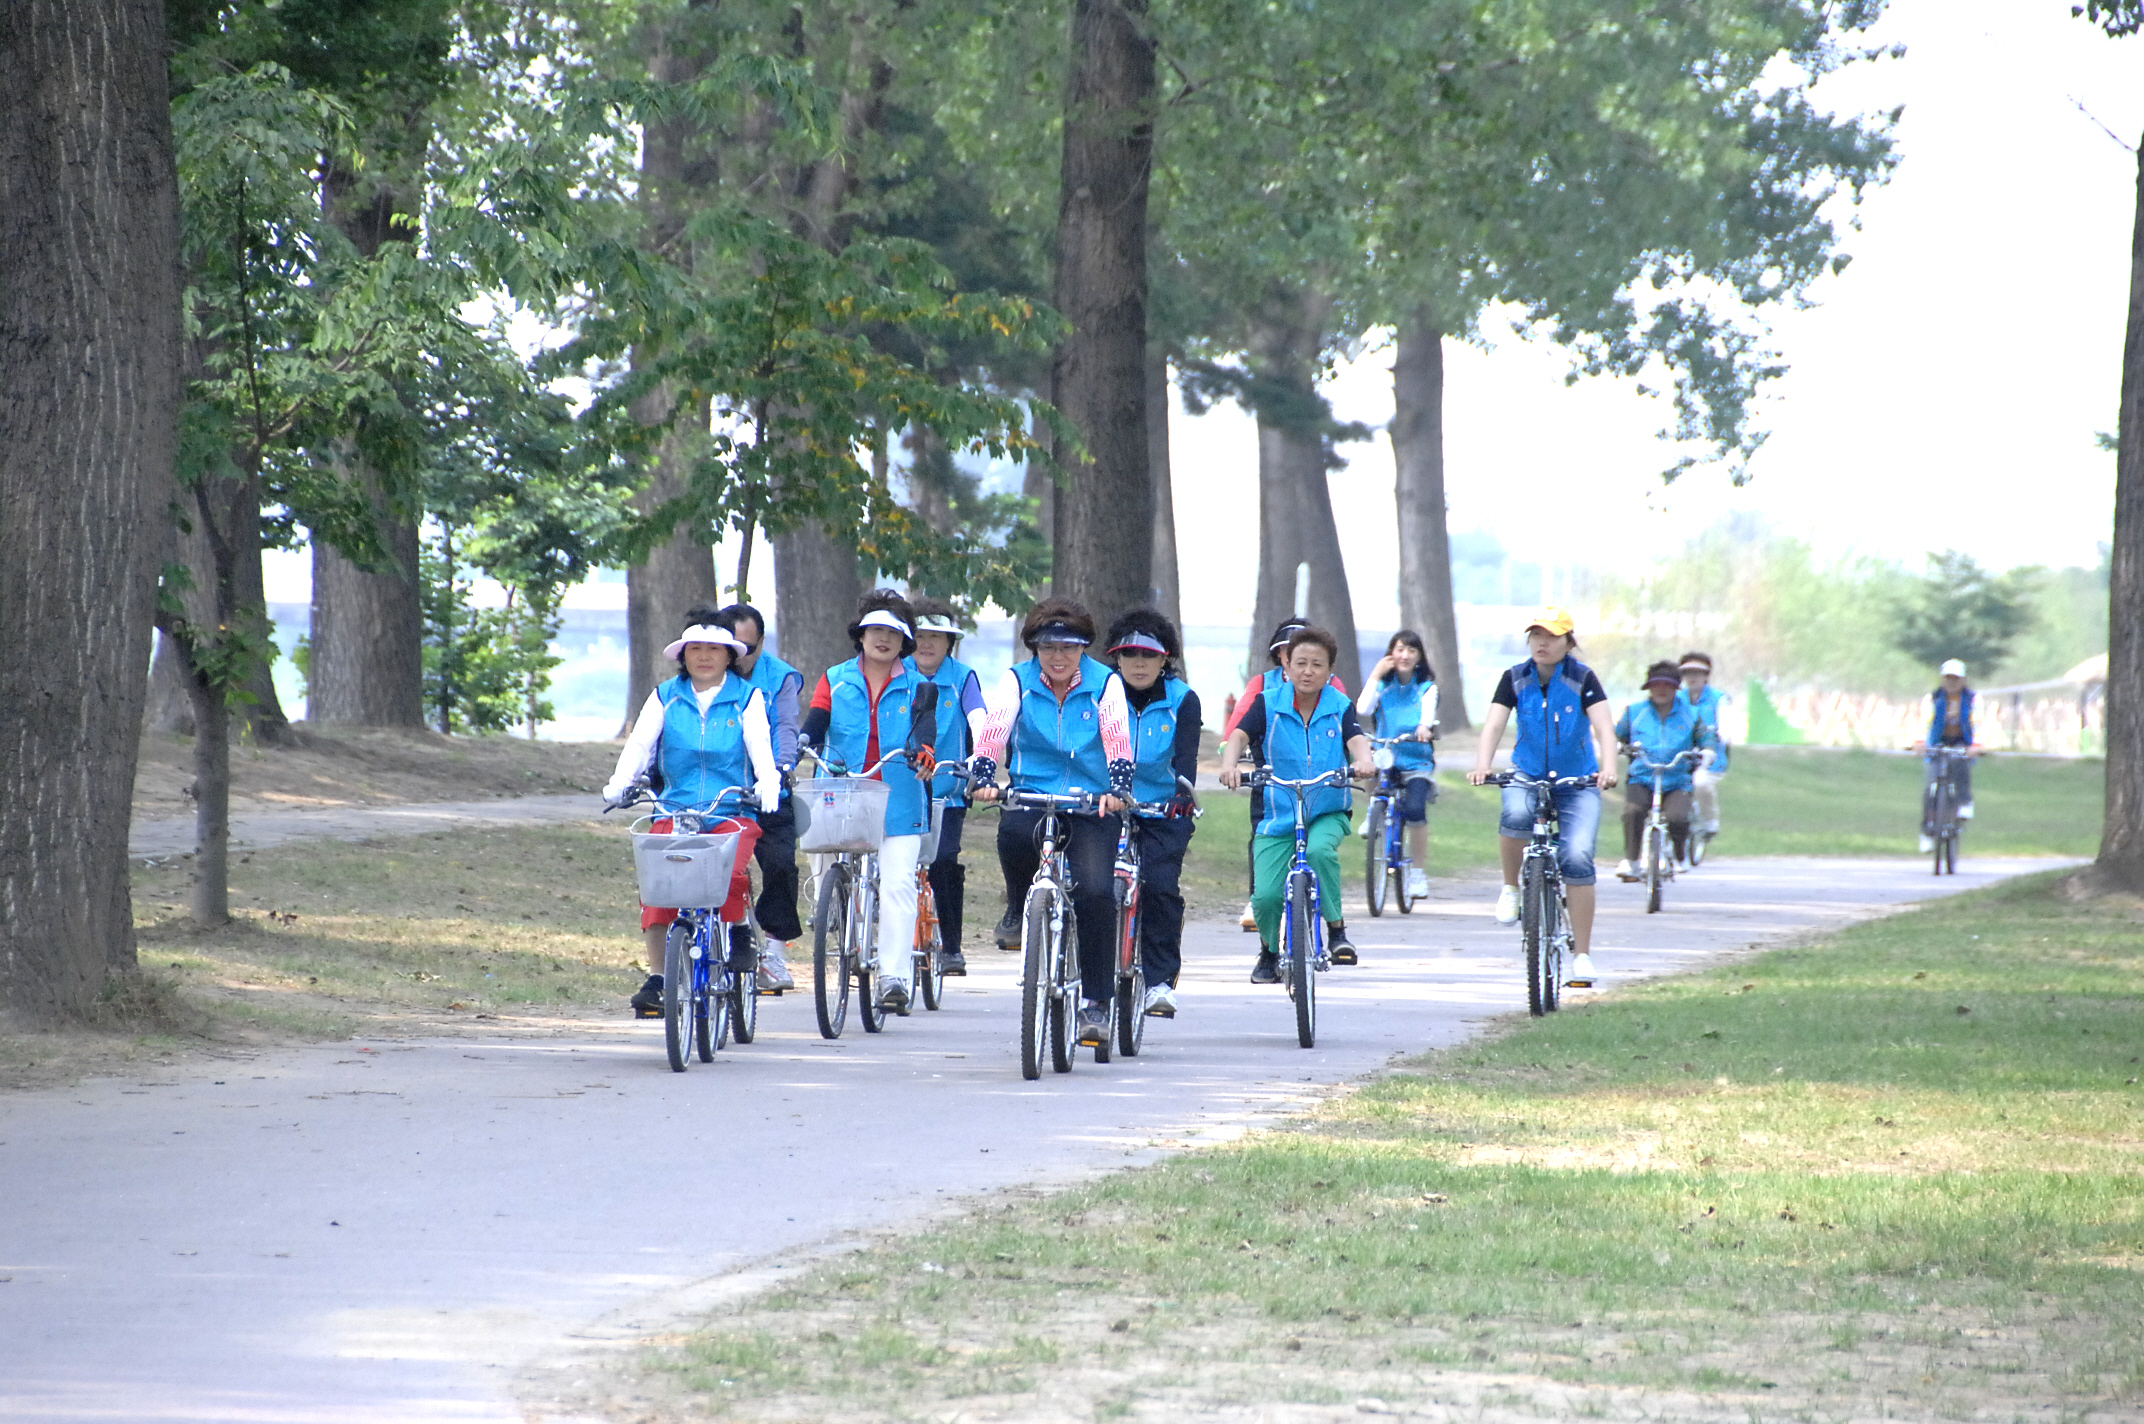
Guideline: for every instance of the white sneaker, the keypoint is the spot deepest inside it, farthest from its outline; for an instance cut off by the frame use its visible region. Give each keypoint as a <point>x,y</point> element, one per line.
<point>1250,920</point>
<point>1507,905</point>
<point>1417,883</point>
<point>1624,870</point>
<point>1965,812</point>
<point>1160,1002</point>
<point>1364,831</point>
<point>1928,843</point>
<point>1581,975</point>
<point>1710,828</point>
<point>774,975</point>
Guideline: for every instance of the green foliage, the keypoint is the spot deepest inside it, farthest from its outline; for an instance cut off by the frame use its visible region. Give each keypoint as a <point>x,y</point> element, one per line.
<point>485,669</point>
<point>2116,17</point>
<point>1960,610</point>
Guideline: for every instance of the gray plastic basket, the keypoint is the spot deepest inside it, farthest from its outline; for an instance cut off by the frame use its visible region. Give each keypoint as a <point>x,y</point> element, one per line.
<point>929,852</point>
<point>840,813</point>
<point>685,872</point>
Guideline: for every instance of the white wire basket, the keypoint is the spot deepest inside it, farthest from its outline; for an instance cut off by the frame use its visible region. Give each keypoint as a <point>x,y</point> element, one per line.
<point>840,813</point>
<point>680,872</point>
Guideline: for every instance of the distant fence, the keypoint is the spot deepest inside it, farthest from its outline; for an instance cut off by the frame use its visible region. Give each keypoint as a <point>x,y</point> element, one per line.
<point>2061,719</point>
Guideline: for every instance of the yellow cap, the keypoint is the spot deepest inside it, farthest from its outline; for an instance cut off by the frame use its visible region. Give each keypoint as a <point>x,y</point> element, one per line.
<point>1552,620</point>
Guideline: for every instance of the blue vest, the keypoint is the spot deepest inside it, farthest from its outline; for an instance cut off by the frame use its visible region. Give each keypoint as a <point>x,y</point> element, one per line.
<point>768,674</point>
<point>848,737</point>
<point>1659,738</point>
<point>702,753</point>
<point>1554,732</point>
<point>1295,750</point>
<point>1058,749</point>
<point>1401,704</point>
<point>952,743</point>
<point>1709,705</point>
<point>1965,718</point>
<point>1154,742</point>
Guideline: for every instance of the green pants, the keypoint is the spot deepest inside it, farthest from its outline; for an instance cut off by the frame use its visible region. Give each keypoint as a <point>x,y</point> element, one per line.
<point>1274,854</point>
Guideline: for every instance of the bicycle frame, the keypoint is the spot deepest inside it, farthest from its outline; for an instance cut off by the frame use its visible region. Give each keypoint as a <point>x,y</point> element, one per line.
<point>1300,963</point>
<point>1546,945</point>
<point>1659,861</point>
<point>1943,807</point>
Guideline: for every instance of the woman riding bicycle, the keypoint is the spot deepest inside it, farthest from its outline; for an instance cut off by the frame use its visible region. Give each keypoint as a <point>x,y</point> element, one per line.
<point>1165,745</point>
<point>868,708</point>
<point>702,732</point>
<point>1273,676</point>
<point>1659,729</point>
<point>1060,723</point>
<point>1308,727</point>
<point>938,636</point>
<point>1400,699</point>
<point>1709,703</point>
<point>1952,726</point>
<point>1564,729</point>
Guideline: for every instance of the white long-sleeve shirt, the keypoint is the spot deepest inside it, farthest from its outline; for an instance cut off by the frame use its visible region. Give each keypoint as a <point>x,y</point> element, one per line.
<point>647,735</point>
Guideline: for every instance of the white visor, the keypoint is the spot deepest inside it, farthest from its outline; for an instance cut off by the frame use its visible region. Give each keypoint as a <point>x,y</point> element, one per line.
<point>937,623</point>
<point>706,633</point>
<point>1954,668</point>
<point>883,618</point>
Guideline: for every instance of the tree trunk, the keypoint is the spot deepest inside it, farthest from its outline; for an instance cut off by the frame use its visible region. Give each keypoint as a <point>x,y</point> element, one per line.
<point>367,666</point>
<point>2121,847</point>
<point>1280,541</point>
<point>1425,544</point>
<point>210,897</point>
<point>816,585</point>
<point>1104,550</point>
<point>171,709</point>
<point>1168,595</point>
<point>89,395</point>
<point>677,574</point>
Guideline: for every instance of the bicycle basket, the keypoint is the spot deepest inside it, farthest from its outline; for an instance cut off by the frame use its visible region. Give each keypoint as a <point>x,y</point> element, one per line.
<point>929,852</point>
<point>685,872</point>
<point>840,814</point>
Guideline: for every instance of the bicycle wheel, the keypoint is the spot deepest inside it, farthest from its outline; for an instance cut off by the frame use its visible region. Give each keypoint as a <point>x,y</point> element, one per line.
<point>1401,871</point>
<point>1131,979</point>
<point>1377,871</point>
<point>744,989</point>
<point>1535,926</point>
<point>1949,848</point>
<point>1553,943</point>
<point>710,1007</point>
<point>1697,843</point>
<point>677,993</point>
<point>829,951</point>
<point>1064,994</point>
<point>1656,867</point>
<point>930,985</point>
<point>1301,963</point>
<point>863,953</point>
<point>1034,979</point>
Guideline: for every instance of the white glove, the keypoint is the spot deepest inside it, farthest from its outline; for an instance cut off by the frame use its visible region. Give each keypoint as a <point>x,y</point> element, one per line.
<point>770,795</point>
<point>615,792</point>
<point>1706,756</point>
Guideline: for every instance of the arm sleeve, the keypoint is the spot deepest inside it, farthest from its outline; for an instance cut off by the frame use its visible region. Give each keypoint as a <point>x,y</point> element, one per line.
<point>1250,719</point>
<point>1592,694</point>
<point>1250,695</point>
<point>638,754</point>
<point>1432,702</point>
<point>1622,726</point>
<point>1505,695</point>
<point>1116,719</point>
<point>785,720</point>
<point>759,746</point>
<point>813,728</point>
<point>1350,726</point>
<point>1000,713</point>
<point>1184,757</point>
<point>1366,705</point>
<point>972,710</point>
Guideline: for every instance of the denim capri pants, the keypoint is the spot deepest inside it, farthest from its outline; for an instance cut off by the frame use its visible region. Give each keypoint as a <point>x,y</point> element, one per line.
<point>1417,792</point>
<point>1578,811</point>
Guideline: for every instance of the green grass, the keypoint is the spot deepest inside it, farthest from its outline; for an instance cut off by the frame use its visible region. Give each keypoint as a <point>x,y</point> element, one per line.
<point>1896,1171</point>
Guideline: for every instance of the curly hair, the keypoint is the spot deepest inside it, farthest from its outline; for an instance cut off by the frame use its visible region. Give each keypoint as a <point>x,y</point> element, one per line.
<point>1068,611</point>
<point>891,600</point>
<point>1316,638</point>
<point>1156,625</point>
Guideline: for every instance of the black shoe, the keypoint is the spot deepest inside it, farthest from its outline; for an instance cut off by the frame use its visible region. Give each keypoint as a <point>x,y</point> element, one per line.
<point>648,1003</point>
<point>1093,1025</point>
<point>1267,969</point>
<point>744,950</point>
<point>952,961</point>
<point>1008,931</point>
<point>1337,945</point>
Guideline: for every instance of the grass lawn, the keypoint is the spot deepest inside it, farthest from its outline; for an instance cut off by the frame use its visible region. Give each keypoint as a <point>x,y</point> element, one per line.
<point>1896,1172</point>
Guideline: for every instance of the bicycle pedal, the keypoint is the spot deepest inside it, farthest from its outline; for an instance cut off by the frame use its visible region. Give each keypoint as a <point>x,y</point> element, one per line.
<point>639,1013</point>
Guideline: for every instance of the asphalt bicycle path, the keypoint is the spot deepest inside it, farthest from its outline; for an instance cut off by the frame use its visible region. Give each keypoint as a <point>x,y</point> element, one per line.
<point>396,1230</point>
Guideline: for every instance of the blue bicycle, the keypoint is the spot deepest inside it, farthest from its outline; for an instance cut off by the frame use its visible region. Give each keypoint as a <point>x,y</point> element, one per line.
<point>1302,926</point>
<point>1387,835</point>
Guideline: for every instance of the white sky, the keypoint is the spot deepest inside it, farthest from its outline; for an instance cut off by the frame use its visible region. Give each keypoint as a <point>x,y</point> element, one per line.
<point>1944,390</point>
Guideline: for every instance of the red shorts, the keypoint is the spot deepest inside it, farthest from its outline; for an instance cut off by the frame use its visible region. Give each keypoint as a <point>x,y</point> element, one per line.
<point>740,901</point>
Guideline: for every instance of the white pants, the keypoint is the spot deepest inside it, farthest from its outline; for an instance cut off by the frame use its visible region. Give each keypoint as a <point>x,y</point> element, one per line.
<point>897,858</point>
<point>1708,798</point>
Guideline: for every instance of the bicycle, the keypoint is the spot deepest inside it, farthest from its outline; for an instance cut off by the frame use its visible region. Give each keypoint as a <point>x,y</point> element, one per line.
<point>707,997</point>
<point>1943,818</point>
<point>1386,858</point>
<point>1544,915</point>
<point>1049,967</point>
<point>847,821</point>
<point>1302,927</point>
<point>1659,866</point>
<point>1130,1003</point>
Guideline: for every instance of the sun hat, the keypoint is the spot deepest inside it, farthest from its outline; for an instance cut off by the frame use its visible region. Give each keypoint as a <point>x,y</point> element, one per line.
<point>881,618</point>
<point>1062,635</point>
<point>1138,642</point>
<point>1696,662</point>
<point>1954,668</point>
<point>1552,620</point>
<point>706,633</point>
<point>938,623</point>
<point>1663,672</point>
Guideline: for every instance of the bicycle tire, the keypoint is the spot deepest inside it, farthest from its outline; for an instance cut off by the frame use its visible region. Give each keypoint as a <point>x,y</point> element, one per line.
<point>1034,979</point>
<point>1131,979</point>
<point>1697,843</point>
<point>1302,959</point>
<point>1064,993</point>
<point>1534,930</point>
<point>863,942</point>
<point>711,1010</point>
<point>1552,942</point>
<point>930,984</point>
<point>1401,895</point>
<point>1377,859</point>
<point>829,951</point>
<point>1950,852</point>
<point>677,994</point>
<point>1656,867</point>
<point>1940,819</point>
<point>744,991</point>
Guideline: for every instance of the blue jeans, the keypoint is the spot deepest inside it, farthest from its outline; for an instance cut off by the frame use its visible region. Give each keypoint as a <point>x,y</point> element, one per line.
<point>1578,811</point>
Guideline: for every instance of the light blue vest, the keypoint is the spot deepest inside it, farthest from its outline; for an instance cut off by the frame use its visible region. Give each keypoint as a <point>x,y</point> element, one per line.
<point>1554,733</point>
<point>1154,742</point>
<point>768,674</point>
<point>1058,748</point>
<point>848,737</point>
<point>1296,749</point>
<point>1659,738</point>
<point>952,744</point>
<point>1708,709</point>
<point>1400,708</point>
<point>703,753</point>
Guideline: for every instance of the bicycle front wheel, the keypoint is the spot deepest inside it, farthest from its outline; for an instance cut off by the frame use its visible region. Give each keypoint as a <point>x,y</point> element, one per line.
<point>1697,843</point>
<point>710,1007</point>
<point>1131,979</point>
<point>862,953</point>
<point>930,984</point>
<point>1301,963</point>
<point>829,951</point>
<point>1536,924</point>
<point>1656,867</point>
<point>1377,869</point>
<point>1064,994</point>
<point>744,986</point>
<point>677,994</point>
<point>1034,979</point>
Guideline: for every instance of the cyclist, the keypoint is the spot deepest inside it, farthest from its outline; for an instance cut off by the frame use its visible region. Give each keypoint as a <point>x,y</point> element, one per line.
<point>1952,726</point>
<point>872,705</point>
<point>1708,702</point>
<point>938,637</point>
<point>1273,676</point>
<point>1308,726</point>
<point>1659,728</point>
<point>1400,698</point>
<point>1060,722</point>
<point>702,731</point>
<point>1164,715</point>
<point>1564,729</point>
<point>776,852</point>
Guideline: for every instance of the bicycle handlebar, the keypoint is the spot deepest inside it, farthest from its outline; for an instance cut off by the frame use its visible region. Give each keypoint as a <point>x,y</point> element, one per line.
<point>1263,776</point>
<point>1520,778</point>
<point>638,796</point>
<point>1012,798</point>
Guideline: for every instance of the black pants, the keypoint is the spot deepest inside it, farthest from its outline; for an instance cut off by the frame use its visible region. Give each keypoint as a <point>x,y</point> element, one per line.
<point>949,878</point>
<point>1250,844</point>
<point>1162,844</point>
<point>1091,848</point>
<point>1638,804</point>
<point>776,853</point>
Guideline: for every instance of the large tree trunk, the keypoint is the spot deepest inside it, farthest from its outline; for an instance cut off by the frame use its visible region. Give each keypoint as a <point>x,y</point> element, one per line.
<point>1168,593</point>
<point>89,394</point>
<point>1280,540</point>
<point>1105,513</point>
<point>816,585</point>
<point>367,665</point>
<point>2121,847</point>
<point>1425,544</point>
<point>678,574</point>
<point>171,707</point>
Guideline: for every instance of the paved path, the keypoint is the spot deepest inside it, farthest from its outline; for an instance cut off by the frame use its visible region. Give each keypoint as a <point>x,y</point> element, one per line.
<point>389,1231</point>
<point>156,836</point>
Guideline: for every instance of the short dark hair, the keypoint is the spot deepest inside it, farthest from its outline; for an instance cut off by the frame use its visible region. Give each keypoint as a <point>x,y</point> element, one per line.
<point>893,601</point>
<point>1156,625</point>
<point>1422,669</point>
<point>1068,611</point>
<point>1317,638</point>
